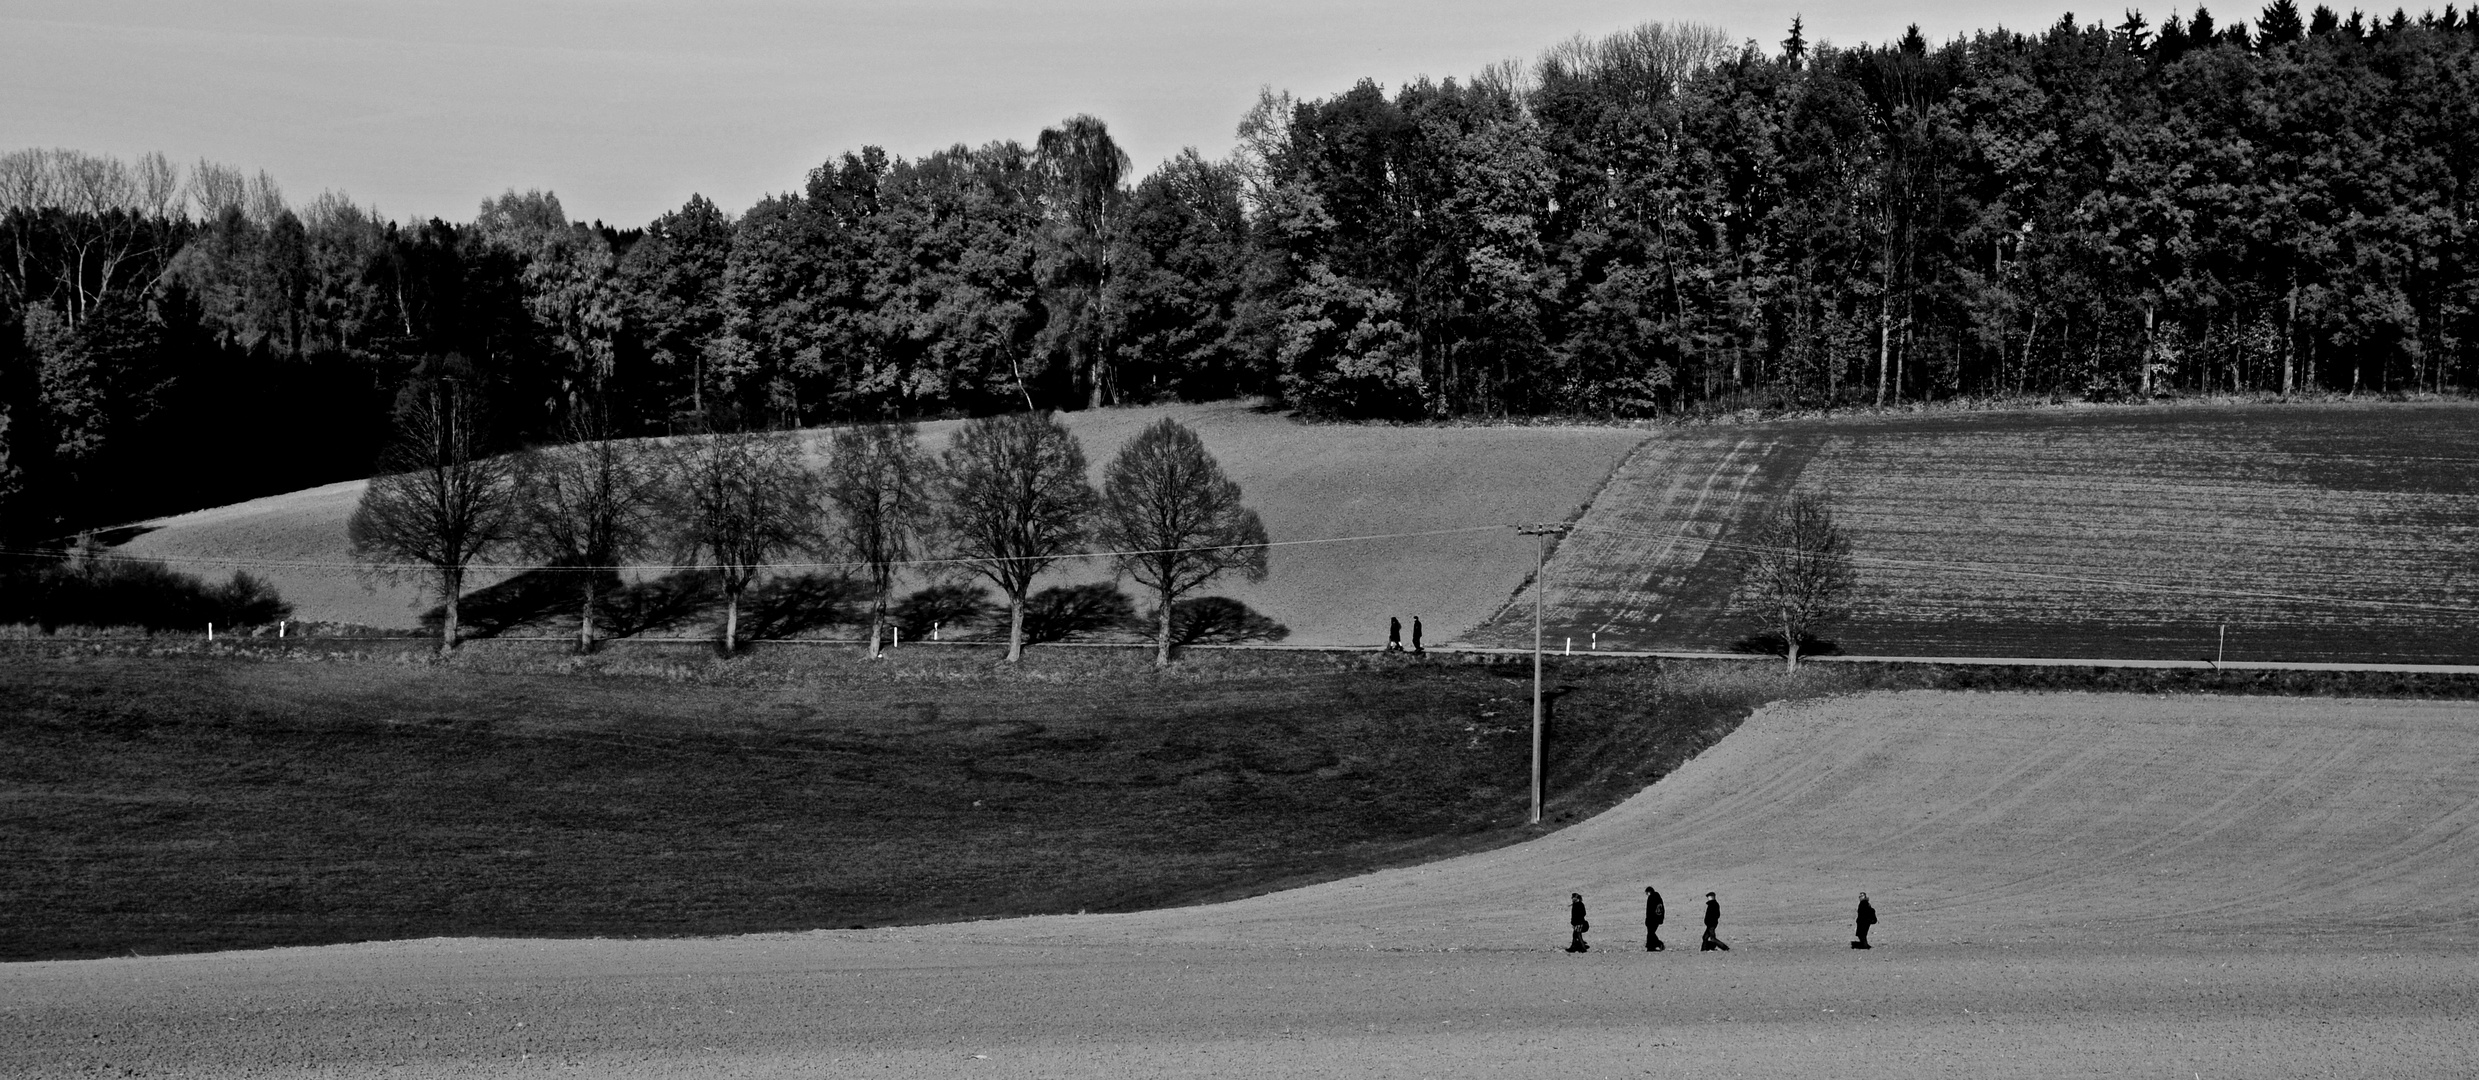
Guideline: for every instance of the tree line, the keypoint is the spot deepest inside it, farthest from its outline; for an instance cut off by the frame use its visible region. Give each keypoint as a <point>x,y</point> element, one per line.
<point>1653,222</point>
<point>1006,501</point>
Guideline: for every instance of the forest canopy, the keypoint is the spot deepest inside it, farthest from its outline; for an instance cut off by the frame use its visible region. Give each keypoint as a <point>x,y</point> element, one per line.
<point>1655,222</point>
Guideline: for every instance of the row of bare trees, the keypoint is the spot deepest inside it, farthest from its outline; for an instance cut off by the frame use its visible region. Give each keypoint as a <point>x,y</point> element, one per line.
<point>1008,499</point>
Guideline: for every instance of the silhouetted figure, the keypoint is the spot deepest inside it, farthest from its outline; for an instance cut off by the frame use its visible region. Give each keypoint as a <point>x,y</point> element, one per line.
<point>1416,649</point>
<point>1867,918</point>
<point>1712,922</point>
<point>1575,922</point>
<point>1653,913</point>
<point>1394,634</point>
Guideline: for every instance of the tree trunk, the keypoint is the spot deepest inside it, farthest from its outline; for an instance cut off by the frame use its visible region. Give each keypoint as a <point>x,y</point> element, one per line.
<point>585,617</point>
<point>1884,342</point>
<point>451,583</point>
<point>2149,348</point>
<point>2289,340</point>
<point>877,622</point>
<point>1162,648</point>
<point>1790,645</point>
<point>731,621</point>
<point>1015,628</point>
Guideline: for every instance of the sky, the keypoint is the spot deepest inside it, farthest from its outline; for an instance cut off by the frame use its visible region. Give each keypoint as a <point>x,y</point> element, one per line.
<point>623,108</point>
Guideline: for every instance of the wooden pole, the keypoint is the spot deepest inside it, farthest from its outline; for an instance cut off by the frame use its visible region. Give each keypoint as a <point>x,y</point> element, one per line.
<point>1540,563</point>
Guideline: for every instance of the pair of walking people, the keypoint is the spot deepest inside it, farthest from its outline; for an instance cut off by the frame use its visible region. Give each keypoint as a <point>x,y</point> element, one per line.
<point>1655,913</point>
<point>1394,635</point>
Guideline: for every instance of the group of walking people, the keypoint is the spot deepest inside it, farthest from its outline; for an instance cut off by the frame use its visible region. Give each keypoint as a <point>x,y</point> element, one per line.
<point>1654,913</point>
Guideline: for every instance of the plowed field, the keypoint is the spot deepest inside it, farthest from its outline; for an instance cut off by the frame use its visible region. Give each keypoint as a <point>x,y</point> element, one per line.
<point>2311,532</point>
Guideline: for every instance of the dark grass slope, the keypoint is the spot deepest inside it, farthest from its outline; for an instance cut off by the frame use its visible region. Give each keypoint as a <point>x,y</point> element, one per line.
<point>188,802</point>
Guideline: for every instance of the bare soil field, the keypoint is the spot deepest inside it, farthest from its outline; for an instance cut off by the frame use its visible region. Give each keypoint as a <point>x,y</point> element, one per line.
<point>2071,885</point>
<point>2328,532</point>
<point>1311,483</point>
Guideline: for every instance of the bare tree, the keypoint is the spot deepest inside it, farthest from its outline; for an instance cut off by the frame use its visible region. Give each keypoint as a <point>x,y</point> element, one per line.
<point>587,506</point>
<point>1800,578</point>
<point>743,500</point>
<point>876,479</point>
<point>1016,502</point>
<point>1176,520</point>
<point>441,499</point>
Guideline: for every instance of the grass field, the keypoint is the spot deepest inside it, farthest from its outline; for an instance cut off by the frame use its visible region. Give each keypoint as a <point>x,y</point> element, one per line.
<point>261,796</point>
<point>2313,532</point>
<point>1309,482</point>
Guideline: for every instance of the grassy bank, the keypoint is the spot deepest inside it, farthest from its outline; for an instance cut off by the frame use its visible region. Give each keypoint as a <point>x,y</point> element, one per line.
<point>167,796</point>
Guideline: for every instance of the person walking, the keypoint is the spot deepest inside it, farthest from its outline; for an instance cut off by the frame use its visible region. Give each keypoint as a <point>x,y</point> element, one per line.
<point>1653,913</point>
<point>1713,922</point>
<point>1416,649</point>
<point>1867,918</point>
<point>1394,634</point>
<point>1577,923</point>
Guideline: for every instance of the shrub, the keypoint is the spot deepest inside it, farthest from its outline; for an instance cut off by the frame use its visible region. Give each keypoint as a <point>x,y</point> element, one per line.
<point>91,589</point>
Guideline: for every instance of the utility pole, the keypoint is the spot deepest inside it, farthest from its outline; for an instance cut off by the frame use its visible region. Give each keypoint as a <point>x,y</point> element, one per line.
<point>1540,561</point>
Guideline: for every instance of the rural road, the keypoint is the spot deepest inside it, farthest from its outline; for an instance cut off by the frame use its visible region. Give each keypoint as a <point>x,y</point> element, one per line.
<point>2072,884</point>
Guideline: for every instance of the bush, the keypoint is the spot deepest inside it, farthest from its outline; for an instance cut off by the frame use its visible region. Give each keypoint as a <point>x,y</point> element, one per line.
<point>91,589</point>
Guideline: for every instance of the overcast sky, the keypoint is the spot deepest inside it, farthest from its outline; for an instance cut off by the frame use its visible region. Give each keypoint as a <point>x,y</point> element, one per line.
<point>625,107</point>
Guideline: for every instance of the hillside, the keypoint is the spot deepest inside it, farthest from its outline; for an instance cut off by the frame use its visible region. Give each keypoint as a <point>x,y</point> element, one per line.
<point>2323,532</point>
<point>1310,483</point>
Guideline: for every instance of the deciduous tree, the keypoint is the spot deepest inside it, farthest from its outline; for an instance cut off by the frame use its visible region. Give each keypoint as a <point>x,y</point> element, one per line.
<point>877,481</point>
<point>1175,520</point>
<point>1800,576</point>
<point>441,499</point>
<point>586,507</point>
<point>743,501</point>
<point>1015,501</point>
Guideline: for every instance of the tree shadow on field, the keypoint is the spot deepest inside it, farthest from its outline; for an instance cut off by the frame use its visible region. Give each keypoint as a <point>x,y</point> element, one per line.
<point>796,604</point>
<point>543,594</point>
<point>949,611</point>
<point>1068,611</point>
<point>1218,620</point>
<point>1770,643</point>
<point>662,603</point>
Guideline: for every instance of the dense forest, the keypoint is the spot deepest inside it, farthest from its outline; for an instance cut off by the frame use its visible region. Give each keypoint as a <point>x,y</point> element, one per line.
<point>1652,223</point>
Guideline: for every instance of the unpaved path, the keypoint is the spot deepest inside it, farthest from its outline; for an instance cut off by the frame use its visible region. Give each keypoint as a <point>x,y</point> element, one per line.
<point>2071,885</point>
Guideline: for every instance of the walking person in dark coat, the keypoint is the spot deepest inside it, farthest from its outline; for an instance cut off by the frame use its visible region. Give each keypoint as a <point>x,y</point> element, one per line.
<point>1575,922</point>
<point>1394,634</point>
<point>1712,922</point>
<point>1867,918</point>
<point>1416,649</point>
<point>1653,913</point>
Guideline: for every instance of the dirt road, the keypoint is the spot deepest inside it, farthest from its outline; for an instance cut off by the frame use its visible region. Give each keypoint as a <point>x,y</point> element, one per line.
<point>2071,885</point>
